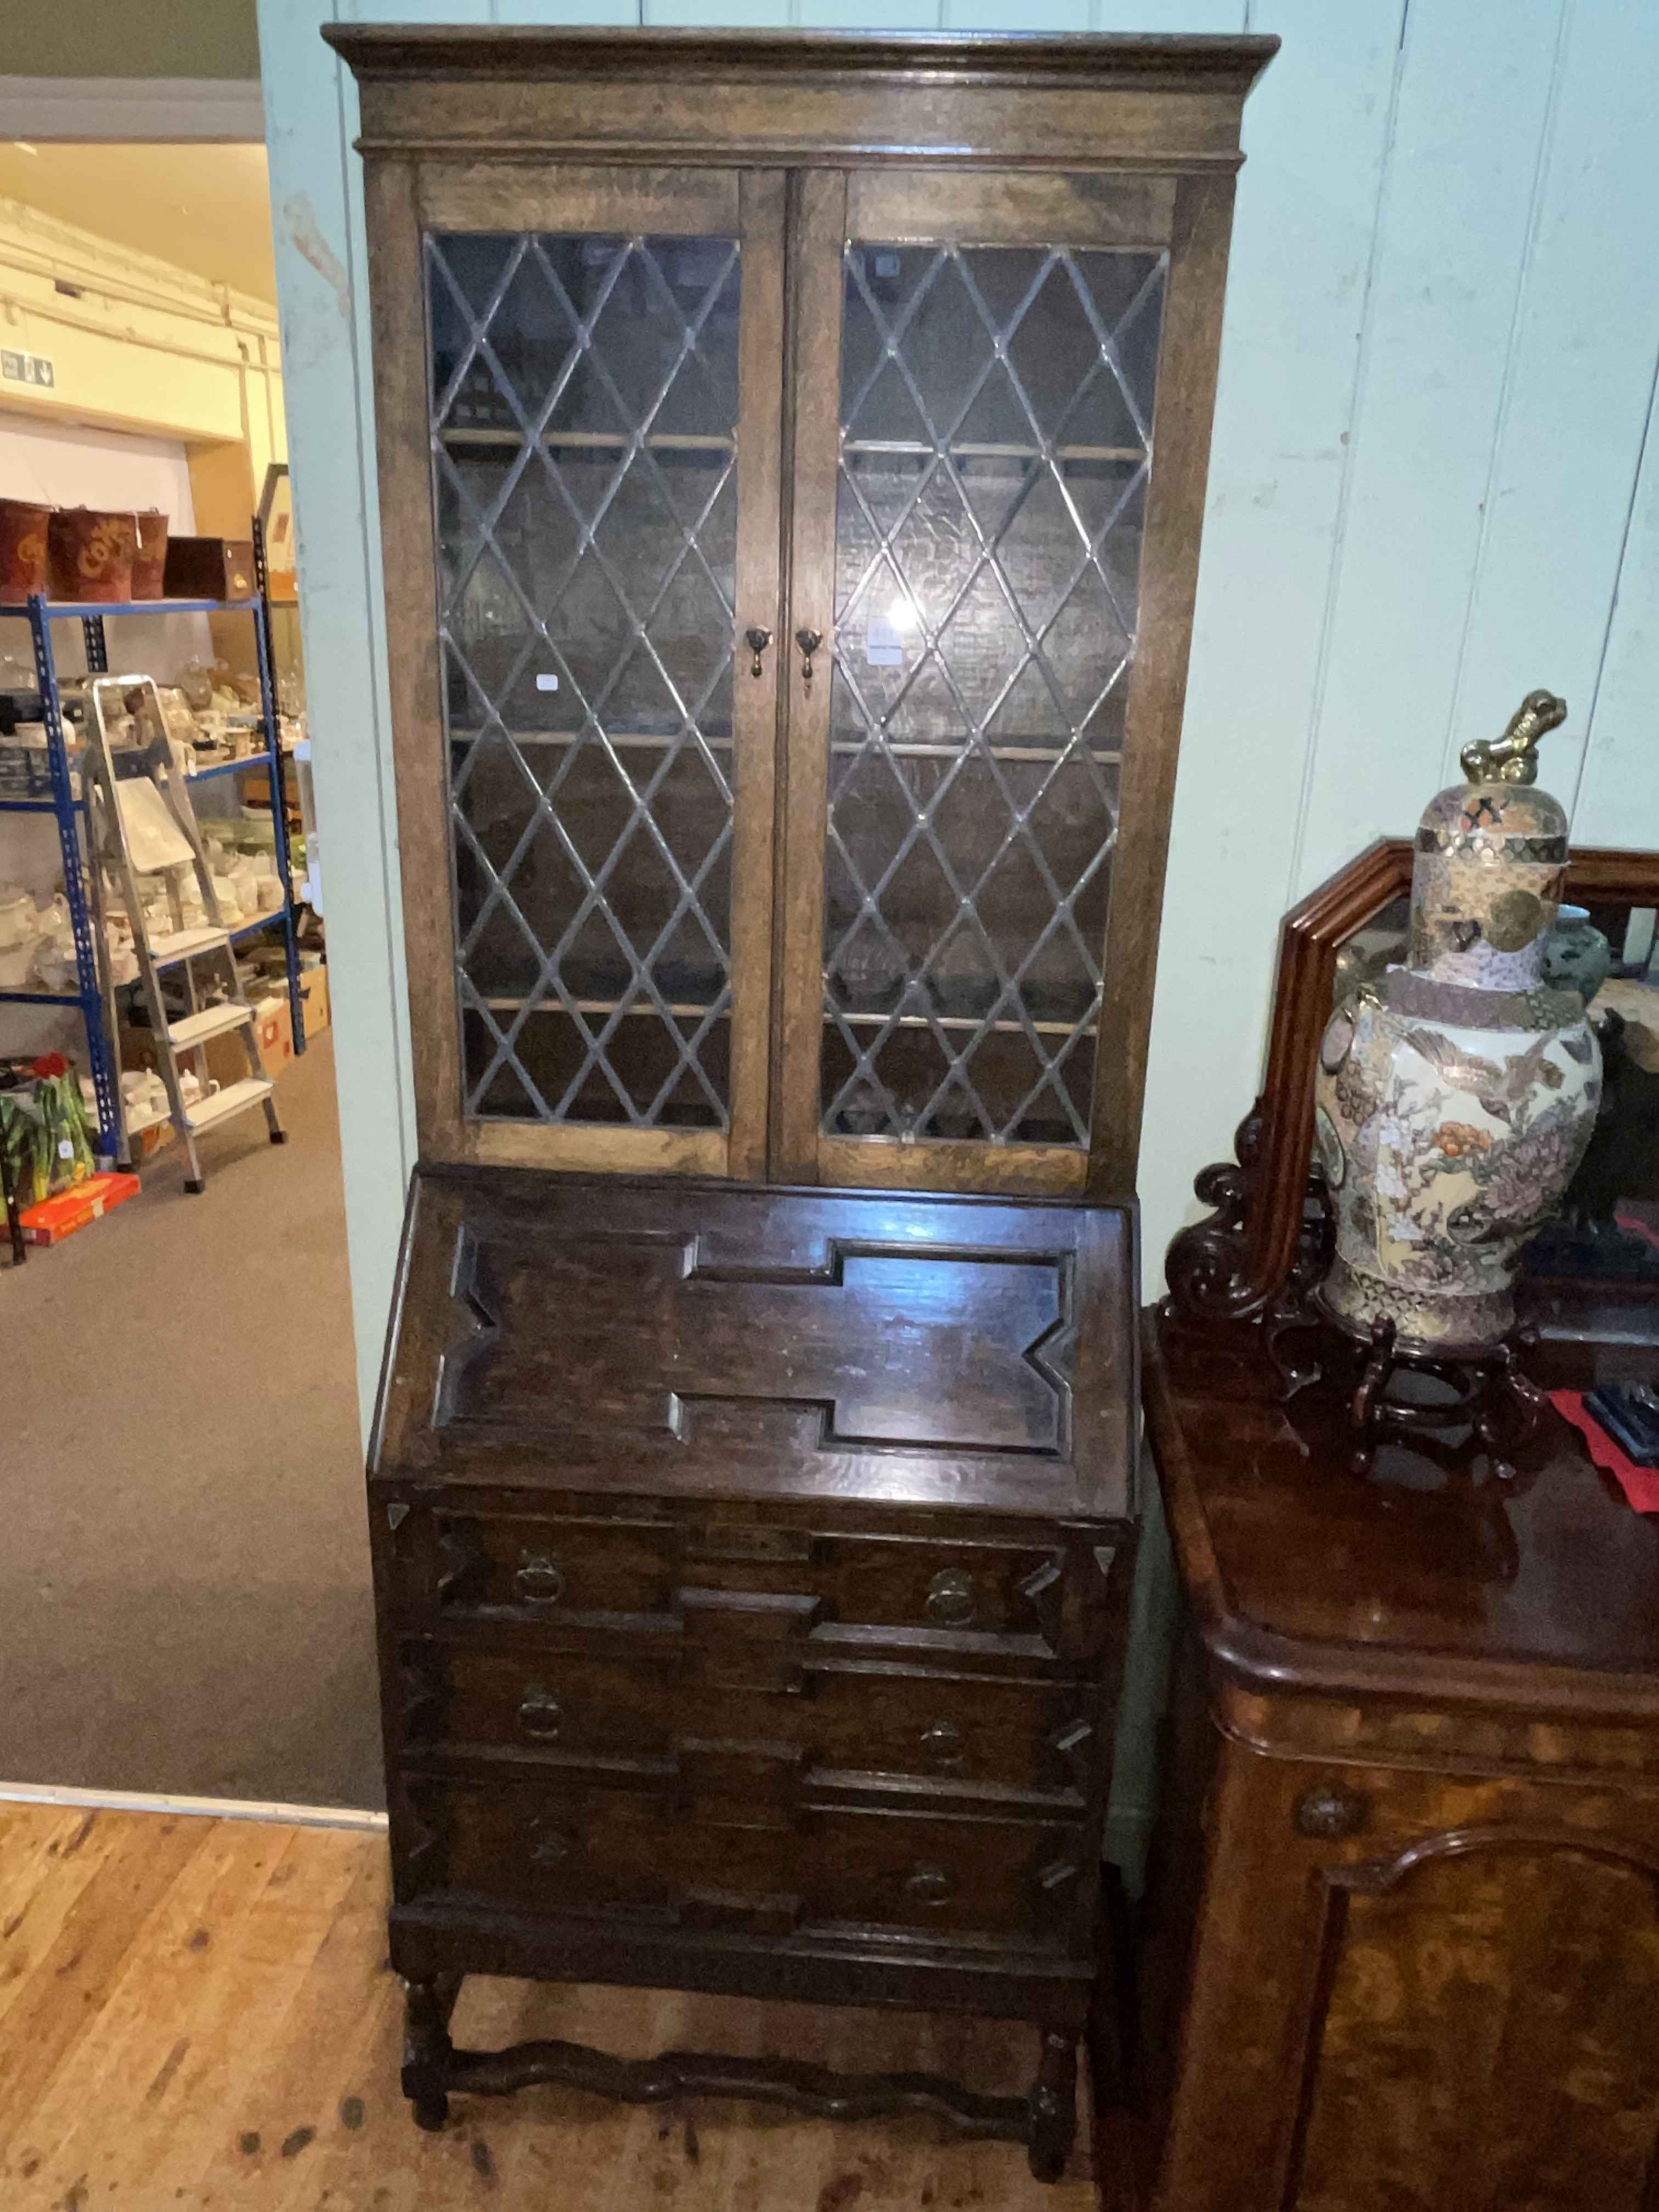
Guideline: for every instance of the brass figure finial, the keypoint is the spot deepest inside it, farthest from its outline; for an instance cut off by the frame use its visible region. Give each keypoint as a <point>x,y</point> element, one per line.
<point>1513,759</point>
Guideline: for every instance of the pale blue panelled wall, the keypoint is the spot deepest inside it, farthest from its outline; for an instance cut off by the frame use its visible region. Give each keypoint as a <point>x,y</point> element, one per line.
<point>1431,487</point>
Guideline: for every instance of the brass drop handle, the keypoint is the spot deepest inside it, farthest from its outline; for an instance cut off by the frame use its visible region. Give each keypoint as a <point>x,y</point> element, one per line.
<point>540,1713</point>
<point>540,1579</point>
<point>951,1598</point>
<point>757,640</point>
<point>548,1846</point>
<point>930,1886</point>
<point>1330,1812</point>
<point>809,640</point>
<point>942,1743</point>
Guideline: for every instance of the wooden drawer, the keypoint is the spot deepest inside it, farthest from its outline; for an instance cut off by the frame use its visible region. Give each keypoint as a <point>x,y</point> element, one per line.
<point>540,1566</point>
<point>1021,1732</point>
<point>758,1855</point>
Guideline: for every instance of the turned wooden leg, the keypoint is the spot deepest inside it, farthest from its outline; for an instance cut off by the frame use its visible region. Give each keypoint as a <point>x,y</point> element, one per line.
<point>1054,2105</point>
<point>427,2047</point>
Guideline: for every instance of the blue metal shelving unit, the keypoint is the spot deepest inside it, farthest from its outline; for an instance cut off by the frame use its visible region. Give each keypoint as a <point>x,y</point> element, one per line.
<point>40,613</point>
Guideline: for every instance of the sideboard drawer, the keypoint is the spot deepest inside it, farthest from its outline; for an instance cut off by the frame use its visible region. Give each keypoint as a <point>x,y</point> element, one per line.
<point>1013,1732</point>
<point>538,1566</point>
<point>767,1859</point>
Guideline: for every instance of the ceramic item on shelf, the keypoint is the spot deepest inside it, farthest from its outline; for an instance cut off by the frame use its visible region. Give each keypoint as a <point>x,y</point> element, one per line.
<point>1454,1097</point>
<point>54,965</point>
<point>1577,956</point>
<point>23,523</point>
<point>90,552</point>
<point>17,965</point>
<point>17,921</point>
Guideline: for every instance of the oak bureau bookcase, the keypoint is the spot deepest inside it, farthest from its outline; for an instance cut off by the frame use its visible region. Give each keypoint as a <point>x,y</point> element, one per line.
<point>792,458</point>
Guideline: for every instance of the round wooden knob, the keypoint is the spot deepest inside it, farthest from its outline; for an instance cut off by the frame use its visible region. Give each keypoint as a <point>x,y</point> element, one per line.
<point>540,1713</point>
<point>930,1886</point>
<point>540,1579</point>
<point>1330,1811</point>
<point>951,1598</point>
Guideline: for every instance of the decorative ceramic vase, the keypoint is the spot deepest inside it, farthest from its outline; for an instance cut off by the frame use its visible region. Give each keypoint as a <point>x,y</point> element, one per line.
<point>1577,956</point>
<point>1456,1096</point>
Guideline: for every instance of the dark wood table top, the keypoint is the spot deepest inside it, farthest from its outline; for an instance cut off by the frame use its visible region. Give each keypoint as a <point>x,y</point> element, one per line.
<point>1420,1581</point>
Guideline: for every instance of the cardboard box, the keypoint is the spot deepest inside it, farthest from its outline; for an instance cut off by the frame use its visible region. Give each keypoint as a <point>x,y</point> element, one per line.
<point>313,993</point>
<point>273,1033</point>
<point>50,1220</point>
<point>138,1048</point>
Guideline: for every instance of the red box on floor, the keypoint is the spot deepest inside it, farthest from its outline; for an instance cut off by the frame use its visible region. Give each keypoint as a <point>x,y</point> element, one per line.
<point>50,1220</point>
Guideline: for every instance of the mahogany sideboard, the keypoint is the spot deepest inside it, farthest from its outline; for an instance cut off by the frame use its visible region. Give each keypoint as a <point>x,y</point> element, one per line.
<point>1401,1944</point>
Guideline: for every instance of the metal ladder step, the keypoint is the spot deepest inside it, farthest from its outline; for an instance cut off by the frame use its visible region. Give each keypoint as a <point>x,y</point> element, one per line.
<point>211,1022</point>
<point>234,1098</point>
<point>184,944</point>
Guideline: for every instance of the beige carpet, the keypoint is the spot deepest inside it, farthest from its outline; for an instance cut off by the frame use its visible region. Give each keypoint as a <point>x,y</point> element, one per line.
<point>183,1566</point>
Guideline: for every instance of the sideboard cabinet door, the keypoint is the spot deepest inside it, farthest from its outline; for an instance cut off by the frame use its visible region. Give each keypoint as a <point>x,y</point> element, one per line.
<point>581,370</point>
<point>1408,1990</point>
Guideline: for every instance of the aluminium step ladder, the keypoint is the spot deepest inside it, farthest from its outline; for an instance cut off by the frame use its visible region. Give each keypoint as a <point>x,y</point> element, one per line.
<point>129,777</point>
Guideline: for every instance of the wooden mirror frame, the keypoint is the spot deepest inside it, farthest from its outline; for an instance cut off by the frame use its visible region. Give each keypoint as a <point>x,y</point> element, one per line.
<point>1233,1266</point>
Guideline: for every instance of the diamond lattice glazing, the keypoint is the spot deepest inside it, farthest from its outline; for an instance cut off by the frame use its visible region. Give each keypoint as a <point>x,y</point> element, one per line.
<point>996,442</point>
<point>584,401</point>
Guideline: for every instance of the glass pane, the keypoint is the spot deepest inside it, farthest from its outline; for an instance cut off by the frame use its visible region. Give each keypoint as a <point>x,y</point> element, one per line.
<point>584,397</point>
<point>996,412</point>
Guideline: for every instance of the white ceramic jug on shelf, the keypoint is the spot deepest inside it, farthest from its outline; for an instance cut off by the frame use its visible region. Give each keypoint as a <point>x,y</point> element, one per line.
<point>54,946</point>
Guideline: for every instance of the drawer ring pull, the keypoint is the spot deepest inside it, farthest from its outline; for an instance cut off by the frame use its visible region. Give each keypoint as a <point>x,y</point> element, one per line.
<point>930,1886</point>
<point>540,1713</point>
<point>540,1579</point>
<point>952,1599</point>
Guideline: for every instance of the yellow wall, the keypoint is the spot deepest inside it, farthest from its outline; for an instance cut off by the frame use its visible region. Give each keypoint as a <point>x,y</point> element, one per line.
<point>137,344</point>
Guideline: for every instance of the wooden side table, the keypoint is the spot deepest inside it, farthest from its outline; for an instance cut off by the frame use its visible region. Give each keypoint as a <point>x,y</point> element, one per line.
<point>1402,1944</point>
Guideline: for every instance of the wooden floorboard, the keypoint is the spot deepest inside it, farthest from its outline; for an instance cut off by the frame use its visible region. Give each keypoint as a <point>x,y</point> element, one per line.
<point>198,2013</point>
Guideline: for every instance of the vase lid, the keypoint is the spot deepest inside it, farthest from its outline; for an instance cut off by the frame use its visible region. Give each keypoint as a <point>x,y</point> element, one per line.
<point>1490,860</point>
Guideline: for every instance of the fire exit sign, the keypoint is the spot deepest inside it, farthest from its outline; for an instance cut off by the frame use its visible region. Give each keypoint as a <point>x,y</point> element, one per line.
<point>26,368</point>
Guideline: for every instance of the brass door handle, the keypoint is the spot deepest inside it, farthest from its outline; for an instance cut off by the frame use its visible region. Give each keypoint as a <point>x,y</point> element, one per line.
<point>1330,1811</point>
<point>757,640</point>
<point>809,640</point>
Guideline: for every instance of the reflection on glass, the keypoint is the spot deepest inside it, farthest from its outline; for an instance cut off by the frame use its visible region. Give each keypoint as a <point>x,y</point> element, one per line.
<point>996,410</point>
<point>584,399</point>
<point>1605,1236</point>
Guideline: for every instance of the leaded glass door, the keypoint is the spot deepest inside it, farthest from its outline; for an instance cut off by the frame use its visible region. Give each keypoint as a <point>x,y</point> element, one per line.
<point>601,396</point>
<point>971,497</point>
